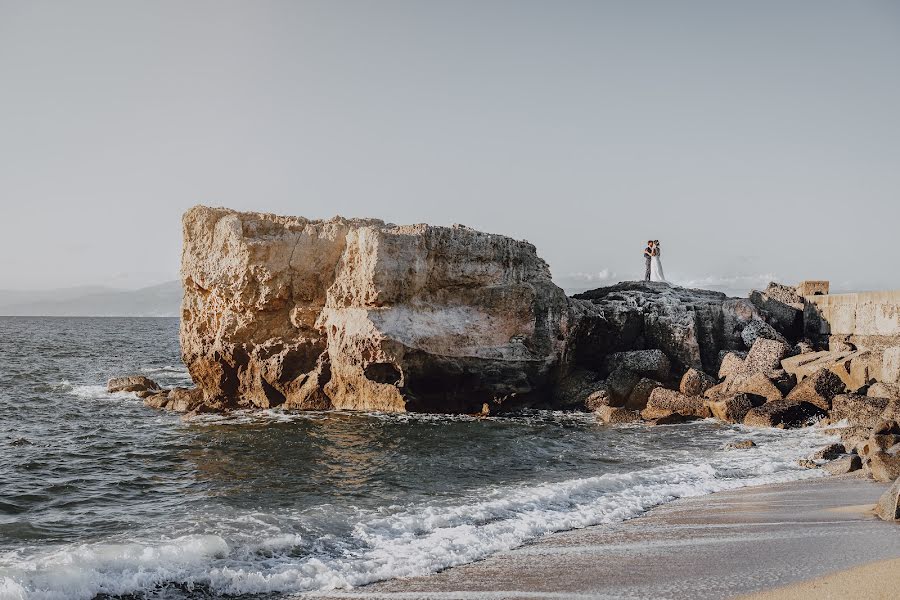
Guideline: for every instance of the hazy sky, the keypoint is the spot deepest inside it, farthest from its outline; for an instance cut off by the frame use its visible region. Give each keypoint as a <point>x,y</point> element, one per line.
<point>754,139</point>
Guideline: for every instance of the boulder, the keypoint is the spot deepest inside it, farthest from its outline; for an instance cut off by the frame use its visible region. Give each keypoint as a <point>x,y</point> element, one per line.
<point>850,365</point>
<point>363,315</point>
<point>752,383</point>
<point>649,363</point>
<point>616,415</point>
<point>844,464</point>
<point>820,388</point>
<point>732,363</point>
<point>830,452</point>
<point>783,413</point>
<point>621,383</point>
<point>879,443</point>
<point>888,507</point>
<point>178,400</point>
<point>884,467</point>
<point>574,389</point>
<point>802,347</point>
<point>695,383</point>
<point>782,307</point>
<point>734,408</point>
<point>742,445</point>
<point>766,355</point>
<point>760,329</point>
<point>886,428</point>
<point>689,326</point>
<point>884,390</point>
<point>663,403</point>
<point>599,398</point>
<point>639,396</point>
<point>807,463</point>
<point>891,411</point>
<point>859,410</point>
<point>131,383</point>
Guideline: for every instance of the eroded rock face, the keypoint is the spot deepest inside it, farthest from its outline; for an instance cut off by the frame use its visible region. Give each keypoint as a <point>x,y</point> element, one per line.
<point>690,326</point>
<point>359,314</point>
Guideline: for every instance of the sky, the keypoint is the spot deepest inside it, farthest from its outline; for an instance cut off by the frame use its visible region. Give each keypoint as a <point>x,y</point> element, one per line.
<point>757,140</point>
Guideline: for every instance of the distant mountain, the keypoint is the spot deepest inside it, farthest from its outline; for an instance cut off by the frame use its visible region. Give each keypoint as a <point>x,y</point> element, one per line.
<point>163,300</point>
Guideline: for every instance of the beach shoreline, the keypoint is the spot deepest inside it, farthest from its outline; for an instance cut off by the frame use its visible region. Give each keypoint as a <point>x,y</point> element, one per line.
<point>764,542</point>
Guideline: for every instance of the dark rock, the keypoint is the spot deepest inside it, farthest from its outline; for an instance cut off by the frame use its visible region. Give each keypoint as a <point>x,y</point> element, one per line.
<point>131,383</point>
<point>620,384</point>
<point>690,326</point>
<point>783,413</point>
<point>695,383</point>
<point>786,317</point>
<point>663,403</point>
<point>672,419</point>
<point>733,409</point>
<point>649,363</point>
<point>760,329</point>
<point>889,504</point>
<point>820,388</point>
<point>574,389</point>
<point>637,400</point>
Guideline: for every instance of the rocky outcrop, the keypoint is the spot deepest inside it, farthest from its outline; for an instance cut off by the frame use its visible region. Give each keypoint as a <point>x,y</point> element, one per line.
<point>360,314</point>
<point>690,326</point>
<point>132,383</point>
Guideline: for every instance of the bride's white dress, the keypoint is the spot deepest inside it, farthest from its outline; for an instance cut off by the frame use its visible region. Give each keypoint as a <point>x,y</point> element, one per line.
<point>656,270</point>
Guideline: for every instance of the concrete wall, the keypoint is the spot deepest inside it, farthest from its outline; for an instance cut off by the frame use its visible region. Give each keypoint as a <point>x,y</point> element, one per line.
<point>868,320</point>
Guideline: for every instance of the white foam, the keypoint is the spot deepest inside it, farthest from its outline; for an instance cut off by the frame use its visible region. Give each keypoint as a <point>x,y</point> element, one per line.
<point>252,553</point>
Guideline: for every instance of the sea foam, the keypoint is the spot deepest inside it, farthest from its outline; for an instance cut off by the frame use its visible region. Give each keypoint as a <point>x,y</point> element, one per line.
<point>256,555</point>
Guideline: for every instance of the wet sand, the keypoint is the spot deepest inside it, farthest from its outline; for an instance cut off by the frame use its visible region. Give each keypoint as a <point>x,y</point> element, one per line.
<point>719,546</point>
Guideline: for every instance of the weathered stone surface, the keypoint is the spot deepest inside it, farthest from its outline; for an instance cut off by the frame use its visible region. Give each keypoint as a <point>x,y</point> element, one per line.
<point>639,396</point>
<point>178,400</point>
<point>782,307</point>
<point>616,415</point>
<point>891,411</point>
<point>649,363</point>
<point>858,410</point>
<point>884,390</point>
<point>742,445</point>
<point>732,364</point>
<point>359,314</point>
<point>820,388</point>
<point>884,467</point>
<point>690,326</point>
<point>599,398</point>
<point>620,384</point>
<point>663,402</point>
<point>830,452</point>
<point>850,365</point>
<point>889,504</point>
<point>695,383</point>
<point>735,408</point>
<point>575,388</point>
<point>760,329</point>
<point>782,413</point>
<point>751,383</point>
<point>131,383</point>
<point>766,355</point>
<point>844,464</point>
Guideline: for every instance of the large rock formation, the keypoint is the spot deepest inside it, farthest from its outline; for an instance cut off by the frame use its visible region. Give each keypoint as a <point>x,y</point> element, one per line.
<point>690,326</point>
<point>359,314</point>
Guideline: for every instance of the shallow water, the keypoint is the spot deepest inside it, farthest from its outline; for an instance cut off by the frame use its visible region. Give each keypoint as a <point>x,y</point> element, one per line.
<point>102,497</point>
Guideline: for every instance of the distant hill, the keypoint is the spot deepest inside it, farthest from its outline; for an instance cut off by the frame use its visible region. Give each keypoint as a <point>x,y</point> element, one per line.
<point>163,300</point>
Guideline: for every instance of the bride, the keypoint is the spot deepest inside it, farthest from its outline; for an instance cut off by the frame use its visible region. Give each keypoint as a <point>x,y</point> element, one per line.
<point>656,269</point>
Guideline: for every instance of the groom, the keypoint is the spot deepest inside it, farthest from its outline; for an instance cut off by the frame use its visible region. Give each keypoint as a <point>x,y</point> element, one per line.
<point>648,253</point>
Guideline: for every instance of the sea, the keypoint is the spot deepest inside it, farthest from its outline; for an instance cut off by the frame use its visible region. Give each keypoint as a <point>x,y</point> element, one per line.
<point>102,497</point>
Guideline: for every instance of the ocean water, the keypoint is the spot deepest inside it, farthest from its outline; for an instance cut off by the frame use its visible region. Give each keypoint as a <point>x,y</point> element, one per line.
<point>101,497</point>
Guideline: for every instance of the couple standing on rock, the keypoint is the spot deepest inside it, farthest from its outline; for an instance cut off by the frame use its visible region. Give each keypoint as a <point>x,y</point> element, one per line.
<point>653,270</point>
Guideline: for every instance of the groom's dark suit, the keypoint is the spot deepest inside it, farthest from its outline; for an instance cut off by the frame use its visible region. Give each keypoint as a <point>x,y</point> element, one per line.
<point>648,252</point>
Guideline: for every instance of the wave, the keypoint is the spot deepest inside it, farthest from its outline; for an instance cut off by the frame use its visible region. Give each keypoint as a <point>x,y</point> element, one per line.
<point>264,553</point>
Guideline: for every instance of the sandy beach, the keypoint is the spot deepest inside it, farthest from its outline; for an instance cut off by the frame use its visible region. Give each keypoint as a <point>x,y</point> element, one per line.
<point>809,539</point>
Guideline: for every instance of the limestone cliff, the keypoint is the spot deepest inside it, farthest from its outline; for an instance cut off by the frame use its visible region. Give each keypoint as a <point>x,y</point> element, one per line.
<point>360,314</point>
